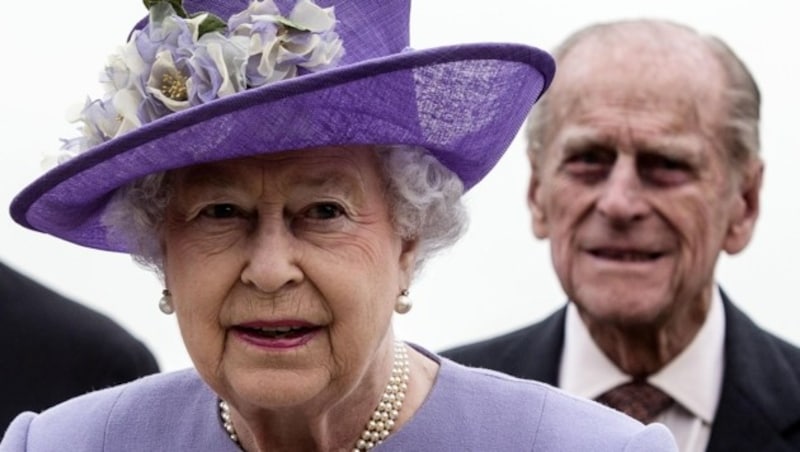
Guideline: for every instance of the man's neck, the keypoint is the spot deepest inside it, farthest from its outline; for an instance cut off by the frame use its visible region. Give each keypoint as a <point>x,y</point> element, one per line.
<point>643,349</point>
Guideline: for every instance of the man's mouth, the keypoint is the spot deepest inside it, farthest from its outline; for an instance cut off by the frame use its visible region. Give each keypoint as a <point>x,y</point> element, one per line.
<point>625,255</point>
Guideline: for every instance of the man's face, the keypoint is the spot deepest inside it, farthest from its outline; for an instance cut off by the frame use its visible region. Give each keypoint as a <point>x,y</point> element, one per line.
<point>634,189</point>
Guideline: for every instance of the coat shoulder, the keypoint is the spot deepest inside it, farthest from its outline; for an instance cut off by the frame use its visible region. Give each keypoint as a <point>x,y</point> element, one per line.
<point>142,412</point>
<point>532,352</point>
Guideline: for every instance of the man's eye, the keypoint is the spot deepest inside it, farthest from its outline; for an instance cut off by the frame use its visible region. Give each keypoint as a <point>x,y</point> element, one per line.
<point>664,170</point>
<point>221,211</point>
<point>324,211</point>
<point>675,165</point>
<point>589,165</point>
<point>660,162</point>
<point>588,158</point>
<point>592,157</point>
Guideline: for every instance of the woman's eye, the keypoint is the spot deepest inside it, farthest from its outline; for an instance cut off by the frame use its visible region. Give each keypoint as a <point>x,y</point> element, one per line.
<point>221,211</point>
<point>324,211</point>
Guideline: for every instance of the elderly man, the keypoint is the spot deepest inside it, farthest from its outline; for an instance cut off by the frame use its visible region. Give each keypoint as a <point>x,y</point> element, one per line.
<point>645,166</point>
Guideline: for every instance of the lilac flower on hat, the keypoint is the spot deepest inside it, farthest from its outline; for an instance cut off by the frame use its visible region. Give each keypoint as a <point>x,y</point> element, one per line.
<point>178,61</point>
<point>164,47</point>
<point>218,68</point>
<point>100,122</point>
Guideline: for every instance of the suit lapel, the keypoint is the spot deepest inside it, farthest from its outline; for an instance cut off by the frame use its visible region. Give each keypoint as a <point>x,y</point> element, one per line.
<point>541,345</point>
<point>760,390</point>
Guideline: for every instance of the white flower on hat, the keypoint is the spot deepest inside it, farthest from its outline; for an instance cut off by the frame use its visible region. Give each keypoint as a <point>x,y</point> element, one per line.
<point>279,45</point>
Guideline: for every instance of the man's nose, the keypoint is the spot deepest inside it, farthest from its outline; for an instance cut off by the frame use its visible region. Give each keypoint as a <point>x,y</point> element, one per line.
<point>621,197</point>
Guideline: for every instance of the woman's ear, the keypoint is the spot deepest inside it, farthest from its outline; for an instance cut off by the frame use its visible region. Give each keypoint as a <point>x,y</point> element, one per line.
<point>745,209</point>
<point>538,212</point>
<point>408,259</point>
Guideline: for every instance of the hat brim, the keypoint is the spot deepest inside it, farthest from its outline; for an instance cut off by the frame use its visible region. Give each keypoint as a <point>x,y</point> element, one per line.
<point>463,103</point>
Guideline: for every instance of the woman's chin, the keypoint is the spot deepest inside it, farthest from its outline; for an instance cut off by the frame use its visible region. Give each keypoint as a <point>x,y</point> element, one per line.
<point>276,389</point>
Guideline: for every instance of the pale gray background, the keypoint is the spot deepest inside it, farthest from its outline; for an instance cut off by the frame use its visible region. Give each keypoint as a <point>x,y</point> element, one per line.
<point>498,276</point>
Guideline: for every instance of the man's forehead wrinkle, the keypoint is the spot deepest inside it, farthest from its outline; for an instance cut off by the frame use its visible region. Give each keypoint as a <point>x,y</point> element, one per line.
<point>579,136</point>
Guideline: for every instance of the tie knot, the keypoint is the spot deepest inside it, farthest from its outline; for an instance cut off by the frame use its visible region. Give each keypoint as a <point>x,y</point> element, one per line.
<point>638,399</point>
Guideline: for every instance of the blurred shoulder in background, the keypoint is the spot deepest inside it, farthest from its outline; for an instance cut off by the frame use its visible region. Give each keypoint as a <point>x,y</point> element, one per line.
<point>53,348</point>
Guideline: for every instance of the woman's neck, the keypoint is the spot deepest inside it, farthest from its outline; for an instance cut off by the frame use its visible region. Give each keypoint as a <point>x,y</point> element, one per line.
<point>333,424</point>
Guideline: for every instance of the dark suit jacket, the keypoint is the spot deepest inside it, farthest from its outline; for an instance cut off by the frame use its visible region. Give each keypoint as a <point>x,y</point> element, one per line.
<point>54,348</point>
<point>759,407</point>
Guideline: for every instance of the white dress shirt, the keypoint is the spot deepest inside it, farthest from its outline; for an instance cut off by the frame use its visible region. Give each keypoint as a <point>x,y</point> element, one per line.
<point>693,378</point>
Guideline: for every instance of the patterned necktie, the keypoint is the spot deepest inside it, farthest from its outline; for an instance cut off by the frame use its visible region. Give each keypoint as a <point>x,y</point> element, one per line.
<point>637,399</point>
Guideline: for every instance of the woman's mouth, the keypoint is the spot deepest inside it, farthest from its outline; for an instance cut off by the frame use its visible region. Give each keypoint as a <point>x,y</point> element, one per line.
<point>283,336</point>
<point>282,332</point>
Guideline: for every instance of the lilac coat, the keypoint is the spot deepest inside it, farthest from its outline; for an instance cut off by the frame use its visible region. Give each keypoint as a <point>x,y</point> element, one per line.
<point>467,410</point>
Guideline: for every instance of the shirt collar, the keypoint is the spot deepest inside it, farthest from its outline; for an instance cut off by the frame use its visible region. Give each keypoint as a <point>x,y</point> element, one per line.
<point>693,378</point>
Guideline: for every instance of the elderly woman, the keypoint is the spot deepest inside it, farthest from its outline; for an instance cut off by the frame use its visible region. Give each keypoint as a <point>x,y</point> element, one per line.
<point>286,168</point>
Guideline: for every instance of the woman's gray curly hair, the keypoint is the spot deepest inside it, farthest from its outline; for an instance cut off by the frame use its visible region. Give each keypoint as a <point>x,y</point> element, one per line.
<point>424,200</point>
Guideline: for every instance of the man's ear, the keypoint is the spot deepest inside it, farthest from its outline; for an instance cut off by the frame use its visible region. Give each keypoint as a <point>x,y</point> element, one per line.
<point>538,212</point>
<point>745,209</point>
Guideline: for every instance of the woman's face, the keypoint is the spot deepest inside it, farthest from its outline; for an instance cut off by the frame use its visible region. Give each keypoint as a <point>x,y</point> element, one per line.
<point>284,270</point>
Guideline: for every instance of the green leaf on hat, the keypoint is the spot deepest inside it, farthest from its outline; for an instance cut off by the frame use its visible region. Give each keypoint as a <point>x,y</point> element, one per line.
<point>210,24</point>
<point>177,5</point>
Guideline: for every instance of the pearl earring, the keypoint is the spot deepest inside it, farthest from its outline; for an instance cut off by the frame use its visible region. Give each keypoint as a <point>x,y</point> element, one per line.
<point>403,303</point>
<point>165,303</point>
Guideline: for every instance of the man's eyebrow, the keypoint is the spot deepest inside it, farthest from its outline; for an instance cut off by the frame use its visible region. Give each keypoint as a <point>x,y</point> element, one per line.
<point>581,137</point>
<point>682,147</point>
<point>678,146</point>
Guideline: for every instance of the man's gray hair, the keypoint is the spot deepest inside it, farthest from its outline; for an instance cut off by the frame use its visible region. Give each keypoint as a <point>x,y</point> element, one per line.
<point>739,133</point>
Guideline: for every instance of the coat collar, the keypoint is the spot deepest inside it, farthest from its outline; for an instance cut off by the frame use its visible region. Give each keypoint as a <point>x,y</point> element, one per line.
<point>759,406</point>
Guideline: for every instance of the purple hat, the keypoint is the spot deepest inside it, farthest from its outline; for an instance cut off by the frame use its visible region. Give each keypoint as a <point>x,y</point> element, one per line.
<point>278,75</point>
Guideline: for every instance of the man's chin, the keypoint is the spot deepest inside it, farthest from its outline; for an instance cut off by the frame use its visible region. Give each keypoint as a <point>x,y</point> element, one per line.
<point>622,313</point>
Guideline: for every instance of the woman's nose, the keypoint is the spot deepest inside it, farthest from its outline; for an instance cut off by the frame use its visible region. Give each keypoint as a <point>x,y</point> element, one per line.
<point>272,261</point>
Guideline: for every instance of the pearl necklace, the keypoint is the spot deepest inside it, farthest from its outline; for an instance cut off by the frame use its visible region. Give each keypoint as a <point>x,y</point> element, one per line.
<point>383,418</point>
